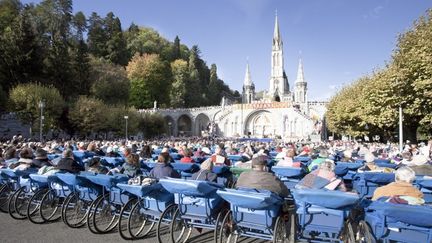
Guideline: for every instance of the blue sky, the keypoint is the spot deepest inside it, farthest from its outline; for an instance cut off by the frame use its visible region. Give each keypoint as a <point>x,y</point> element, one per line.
<point>339,40</point>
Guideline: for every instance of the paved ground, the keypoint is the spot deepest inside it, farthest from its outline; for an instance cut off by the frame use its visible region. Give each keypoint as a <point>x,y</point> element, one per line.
<point>12,230</point>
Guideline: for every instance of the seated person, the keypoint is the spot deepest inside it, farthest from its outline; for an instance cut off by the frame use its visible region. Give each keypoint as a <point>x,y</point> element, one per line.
<point>68,163</point>
<point>322,156</point>
<point>260,178</point>
<point>347,156</point>
<point>323,177</point>
<point>25,161</point>
<point>187,156</point>
<point>163,169</point>
<point>219,157</point>
<point>402,186</point>
<point>288,159</point>
<point>372,167</point>
<point>96,167</point>
<point>131,167</point>
<point>205,173</point>
<point>421,166</point>
<point>41,159</point>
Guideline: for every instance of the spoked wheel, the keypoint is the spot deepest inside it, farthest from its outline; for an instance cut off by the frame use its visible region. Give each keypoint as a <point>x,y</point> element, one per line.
<point>280,234</point>
<point>139,223</point>
<point>179,229</point>
<point>165,220</point>
<point>75,211</point>
<point>348,233</point>
<point>227,231</point>
<point>33,206</point>
<point>5,192</point>
<point>50,208</point>
<point>123,220</point>
<point>18,204</point>
<point>218,225</point>
<point>105,216</point>
<point>90,214</point>
<point>364,234</point>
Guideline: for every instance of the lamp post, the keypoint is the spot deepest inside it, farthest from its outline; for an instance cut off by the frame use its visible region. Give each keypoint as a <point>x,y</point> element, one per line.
<point>126,132</point>
<point>169,128</point>
<point>41,106</point>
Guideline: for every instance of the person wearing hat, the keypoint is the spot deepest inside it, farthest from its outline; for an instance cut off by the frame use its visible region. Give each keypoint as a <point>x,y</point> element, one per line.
<point>166,155</point>
<point>68,163</point>
<point>259,178</point>
<point>95,166</point>
<point>25,161</point>
<point>41,158</point>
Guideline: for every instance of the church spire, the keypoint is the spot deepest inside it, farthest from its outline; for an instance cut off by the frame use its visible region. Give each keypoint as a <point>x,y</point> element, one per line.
<point>300,72</point>
<point>277,40</point>
<point>247,79</point>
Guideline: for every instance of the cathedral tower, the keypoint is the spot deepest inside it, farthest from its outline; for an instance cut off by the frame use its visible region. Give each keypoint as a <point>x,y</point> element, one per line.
<point>248,88</point>
<point>279,87</point>
<point>300,89</point>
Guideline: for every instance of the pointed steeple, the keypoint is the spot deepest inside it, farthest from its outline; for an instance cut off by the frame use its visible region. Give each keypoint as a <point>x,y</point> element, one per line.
<point>300,73</point>
<point>247,79</point>
<point>277,40</point>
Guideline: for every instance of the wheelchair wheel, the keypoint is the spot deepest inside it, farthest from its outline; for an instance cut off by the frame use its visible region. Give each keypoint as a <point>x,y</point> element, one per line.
<point>227,231</point>
<point>139,224</point>
<point>75,211</point>
<point>348,233</point>
<point>218,224</point>
<point>18,204</point>
<point>123,220</point>
<point>5,192</point>
<point>33,212</point>
<point>50,207</point>
<point>179,229</point>
<point>90,213</point>
<point>280,231</point>
<point>105,216</point>
<point>163,225</point>
<point>364,233</point>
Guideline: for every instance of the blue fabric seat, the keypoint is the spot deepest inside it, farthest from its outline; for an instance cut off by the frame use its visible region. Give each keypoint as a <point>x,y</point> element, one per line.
<point>112,161</point>
<point>366,183</point>
<point>323,213</point>
<point>399,222</point>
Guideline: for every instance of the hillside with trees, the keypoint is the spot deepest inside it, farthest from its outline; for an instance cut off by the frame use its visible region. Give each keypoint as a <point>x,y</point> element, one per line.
<point>95,61</point>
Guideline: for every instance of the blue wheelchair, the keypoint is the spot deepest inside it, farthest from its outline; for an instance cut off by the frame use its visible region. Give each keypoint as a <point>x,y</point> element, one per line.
<point>290,176</point>
<point>145,211</point>
<point>79,202</point>
<point>425,186</point>
<point>12,181</point>
<point>198,206</point>
<point>325,216</point>
<point>389,222</point>
<point>255,214</point>
<point>367,182</point>
<point>103,213</point>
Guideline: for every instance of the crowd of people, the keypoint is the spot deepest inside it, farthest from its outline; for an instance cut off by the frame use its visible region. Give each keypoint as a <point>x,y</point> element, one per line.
<point>414,159</point>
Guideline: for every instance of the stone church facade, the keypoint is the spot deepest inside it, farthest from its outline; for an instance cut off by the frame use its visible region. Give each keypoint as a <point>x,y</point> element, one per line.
<point>279,113</point>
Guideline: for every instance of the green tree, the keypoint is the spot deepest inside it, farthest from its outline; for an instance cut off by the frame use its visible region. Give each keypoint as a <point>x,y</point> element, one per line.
<point>116,43</point>
<point>89,115</point>
<point>97,36</point>
<point>150,81</point>
<point>110,82</point>
<point>180,71</point>
<point>25,100</point>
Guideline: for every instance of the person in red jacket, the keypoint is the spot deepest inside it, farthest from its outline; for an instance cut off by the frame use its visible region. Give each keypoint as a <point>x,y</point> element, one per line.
<point>187,156</point>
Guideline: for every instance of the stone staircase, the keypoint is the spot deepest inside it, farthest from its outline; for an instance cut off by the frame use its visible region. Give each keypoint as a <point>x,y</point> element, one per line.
<point>10,126</point>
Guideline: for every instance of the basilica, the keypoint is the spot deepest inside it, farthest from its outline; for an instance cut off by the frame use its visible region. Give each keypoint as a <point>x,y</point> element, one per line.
<point>279,112</point>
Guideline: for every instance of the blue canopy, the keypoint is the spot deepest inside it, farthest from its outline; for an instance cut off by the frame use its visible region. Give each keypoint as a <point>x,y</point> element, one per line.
<point>262,200</point>
<point>326,198</point>
<point>190,187</point>
<point>409,214</point>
